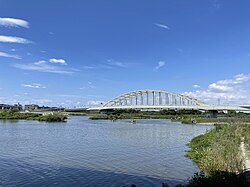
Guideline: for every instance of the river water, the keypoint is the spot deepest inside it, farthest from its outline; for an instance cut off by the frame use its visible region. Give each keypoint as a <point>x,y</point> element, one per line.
<point>83,152</point>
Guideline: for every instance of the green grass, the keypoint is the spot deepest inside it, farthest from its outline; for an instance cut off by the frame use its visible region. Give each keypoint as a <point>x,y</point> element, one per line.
<point>127,116</point>
<point>52,118</point>
<point>218,149</point>
<point>15,115</point>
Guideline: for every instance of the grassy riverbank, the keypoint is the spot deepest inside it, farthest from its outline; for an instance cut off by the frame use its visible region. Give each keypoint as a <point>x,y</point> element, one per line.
<point>187,117</point>
<point>15,115</point>
<point>218,154</point>
<point>219,149</point>
<point>135,114</point>
<point>127,116</point>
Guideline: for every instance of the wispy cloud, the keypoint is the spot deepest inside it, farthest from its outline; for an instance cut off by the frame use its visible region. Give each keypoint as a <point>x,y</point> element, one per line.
<point>40,62</point>
<point>94,103</point>
<point>3,54</point>
<point>69,96</point>
<point>15,99</point>
<point>232,90</point>
<point>160,65</point>
<point>112,62</point>
<point>162,26</point>
<point>34,85</point>
<point>13,22</point>
<point>14,39</point>
<point>42,66</point>
<point>57,61</point>
<point>89,67</point>
<point>196,86</point>
<point>89,86</point>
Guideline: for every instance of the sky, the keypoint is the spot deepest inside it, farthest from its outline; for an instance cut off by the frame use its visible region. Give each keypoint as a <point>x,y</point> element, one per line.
<point>83,52</point>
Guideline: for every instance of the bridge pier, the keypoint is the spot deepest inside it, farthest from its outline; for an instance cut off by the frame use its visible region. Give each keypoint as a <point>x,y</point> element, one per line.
<point>212,113</point>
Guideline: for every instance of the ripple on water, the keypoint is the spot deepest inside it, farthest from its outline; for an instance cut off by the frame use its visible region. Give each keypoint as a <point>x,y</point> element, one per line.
<point>82,152</point>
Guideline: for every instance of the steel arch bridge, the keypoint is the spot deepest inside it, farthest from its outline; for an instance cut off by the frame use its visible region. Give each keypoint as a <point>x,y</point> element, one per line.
<point>162,100</point>
<point>152,98</point>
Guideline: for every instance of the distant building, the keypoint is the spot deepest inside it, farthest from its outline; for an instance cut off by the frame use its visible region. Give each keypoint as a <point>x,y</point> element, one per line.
<point>11,107</point>
<point>18,106</point>
<point>5,107</point>
<point>31,107</point>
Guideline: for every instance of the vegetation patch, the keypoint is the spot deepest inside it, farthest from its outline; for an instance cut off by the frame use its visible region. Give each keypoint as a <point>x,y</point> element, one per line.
<point>219,149</point>
<point>15,115</point>
<point>217,179</point>
<point>52,118</point>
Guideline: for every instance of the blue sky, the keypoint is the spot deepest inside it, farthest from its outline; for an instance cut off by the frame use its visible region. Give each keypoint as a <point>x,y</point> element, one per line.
<point>78,53</point>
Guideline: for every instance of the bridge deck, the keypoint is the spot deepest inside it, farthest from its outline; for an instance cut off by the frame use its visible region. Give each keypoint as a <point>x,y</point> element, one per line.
<point>171,107</point>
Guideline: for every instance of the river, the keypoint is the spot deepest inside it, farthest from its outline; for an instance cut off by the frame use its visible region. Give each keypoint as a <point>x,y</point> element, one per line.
<point>82,152</point>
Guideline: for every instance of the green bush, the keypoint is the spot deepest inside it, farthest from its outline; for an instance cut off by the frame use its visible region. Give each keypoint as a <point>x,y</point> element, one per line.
<point>218,149</point>
<point>14,115</point>
<point>217,179</point>
<point>53,118</point>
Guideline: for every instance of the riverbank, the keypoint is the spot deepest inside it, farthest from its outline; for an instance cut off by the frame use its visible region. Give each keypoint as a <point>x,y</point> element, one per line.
<point>219,149</point>
<point>185,119</point>
<point>183,116</point>
<point>15,115</point>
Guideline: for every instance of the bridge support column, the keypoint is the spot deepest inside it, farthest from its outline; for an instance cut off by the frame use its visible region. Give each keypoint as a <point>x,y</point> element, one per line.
<point>147,98</point>
<point>160,99</point>
<point>141,99</point>
<point>153,98</point>
<point>212,113</point>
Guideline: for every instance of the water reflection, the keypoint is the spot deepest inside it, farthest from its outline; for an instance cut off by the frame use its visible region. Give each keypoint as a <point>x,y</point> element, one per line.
<point>95,153</point>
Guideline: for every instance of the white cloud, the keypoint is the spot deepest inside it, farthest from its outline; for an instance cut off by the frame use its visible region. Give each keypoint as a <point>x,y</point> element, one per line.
<point>89,67</point>
<point>70,96</point>
<point>196,86</point>
<point>89,85</point>
<point>25,100</point>
<point>162,26</point>
<point>14,39</point>
<point>94,103</point>
<point>40,66</point>
<point>34,85</point>
<point>40,62</point>
<point>13,22</point>
<point>116,63</point>
<point>110,64</point>
<point>57,61</point>
<point>3,54</point>
<point>41,101</point>
<point>233,91</point>
<point>160,65</point>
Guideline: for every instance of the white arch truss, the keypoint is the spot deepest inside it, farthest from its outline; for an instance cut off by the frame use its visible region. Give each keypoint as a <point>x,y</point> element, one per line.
<point>152,98</point>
